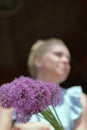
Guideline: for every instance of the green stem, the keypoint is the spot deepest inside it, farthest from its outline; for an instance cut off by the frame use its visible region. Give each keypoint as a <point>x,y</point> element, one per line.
<point>52,118</point>
<point>57,116</point>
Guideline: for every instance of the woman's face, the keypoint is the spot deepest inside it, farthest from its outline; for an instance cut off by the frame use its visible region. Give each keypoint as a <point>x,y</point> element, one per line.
<point>56,62</point>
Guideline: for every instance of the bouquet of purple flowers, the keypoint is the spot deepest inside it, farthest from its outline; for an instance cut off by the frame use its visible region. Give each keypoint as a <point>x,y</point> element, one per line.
<point>28,97</point>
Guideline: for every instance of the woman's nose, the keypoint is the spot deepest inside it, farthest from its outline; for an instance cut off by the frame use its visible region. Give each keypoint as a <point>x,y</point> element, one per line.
<point>65,59</point>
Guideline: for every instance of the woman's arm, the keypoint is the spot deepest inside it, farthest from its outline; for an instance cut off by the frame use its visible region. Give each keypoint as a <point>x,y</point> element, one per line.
<point>5,119</point>
<point>81,123</point>
<point>33,126</point>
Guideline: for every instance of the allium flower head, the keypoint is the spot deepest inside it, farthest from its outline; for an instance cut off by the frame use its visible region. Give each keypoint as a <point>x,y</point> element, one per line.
<point>42,95</point>
<point>56,93</point>
<point>21,92</point>
<point>4,95</point>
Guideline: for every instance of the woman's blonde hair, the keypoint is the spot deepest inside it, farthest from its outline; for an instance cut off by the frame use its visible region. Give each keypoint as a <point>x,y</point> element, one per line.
<point>38,49</point>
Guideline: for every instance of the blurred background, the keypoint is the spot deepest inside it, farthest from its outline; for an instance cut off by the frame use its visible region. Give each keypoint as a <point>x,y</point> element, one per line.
<point>23,22</point>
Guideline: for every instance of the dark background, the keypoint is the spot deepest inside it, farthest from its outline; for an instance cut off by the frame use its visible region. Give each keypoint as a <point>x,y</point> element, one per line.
<point>24,22</point>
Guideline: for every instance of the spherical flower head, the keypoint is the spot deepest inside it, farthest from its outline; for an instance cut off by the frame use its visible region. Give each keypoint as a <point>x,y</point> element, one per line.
<point>4,95</point>
<point>21,92</point>
<point>56,93</point>
<point>28,97</point>
<point>42,95</point>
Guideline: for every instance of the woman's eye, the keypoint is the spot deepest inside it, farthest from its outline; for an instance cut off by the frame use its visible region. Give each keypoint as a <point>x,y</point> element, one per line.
<point>58,54</point>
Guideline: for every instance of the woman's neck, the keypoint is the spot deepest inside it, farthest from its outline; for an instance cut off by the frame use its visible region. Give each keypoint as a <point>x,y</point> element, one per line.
<point>47,78</point>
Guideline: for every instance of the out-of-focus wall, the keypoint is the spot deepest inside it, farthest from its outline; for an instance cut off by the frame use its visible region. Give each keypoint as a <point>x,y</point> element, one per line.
<point>30,20</point>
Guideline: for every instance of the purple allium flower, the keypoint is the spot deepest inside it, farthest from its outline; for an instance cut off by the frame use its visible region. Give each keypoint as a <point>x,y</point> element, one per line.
<point>56,93</point>
<point>28,96</point>
<point>42,95</point>
<point>21,92</point>
<point>4,95</point>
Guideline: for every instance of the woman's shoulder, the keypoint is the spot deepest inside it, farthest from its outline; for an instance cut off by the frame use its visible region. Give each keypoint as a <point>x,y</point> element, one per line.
<point>73,91</point>
<point>72,98</point>
<point>83,100</point>
<point>73,95</point>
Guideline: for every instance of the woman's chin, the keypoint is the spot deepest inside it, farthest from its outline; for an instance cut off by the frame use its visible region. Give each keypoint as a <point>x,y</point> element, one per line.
<point>62,78</point>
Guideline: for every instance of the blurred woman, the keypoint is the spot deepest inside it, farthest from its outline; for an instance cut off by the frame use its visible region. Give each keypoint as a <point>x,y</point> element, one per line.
<point>49,61</point>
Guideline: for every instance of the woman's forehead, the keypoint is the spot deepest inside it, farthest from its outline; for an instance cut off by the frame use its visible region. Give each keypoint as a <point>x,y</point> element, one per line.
<point>59,48</point>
